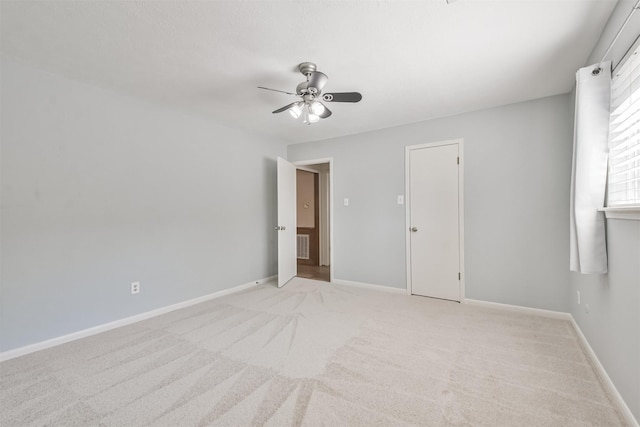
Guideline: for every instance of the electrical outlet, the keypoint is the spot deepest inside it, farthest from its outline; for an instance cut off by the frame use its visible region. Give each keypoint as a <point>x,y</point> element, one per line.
<point>135,288</point>
<point>346,202</point>
<point>578,292</point>
<point>586,308</point>
<point>400,199</point>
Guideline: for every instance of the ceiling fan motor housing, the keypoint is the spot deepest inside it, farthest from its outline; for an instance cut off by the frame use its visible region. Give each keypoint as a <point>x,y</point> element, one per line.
<point>315,79</point>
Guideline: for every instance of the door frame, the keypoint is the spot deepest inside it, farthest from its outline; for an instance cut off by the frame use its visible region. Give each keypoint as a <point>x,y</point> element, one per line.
<point>407,208</point>
<point>300,164</point>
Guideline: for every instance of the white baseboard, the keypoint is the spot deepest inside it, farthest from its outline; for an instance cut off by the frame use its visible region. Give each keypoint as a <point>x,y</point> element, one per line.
<point>608,385</point>
<point>369,286</point>
<point>604,377</point>
<point>31,348</point>
<point>520,309</point>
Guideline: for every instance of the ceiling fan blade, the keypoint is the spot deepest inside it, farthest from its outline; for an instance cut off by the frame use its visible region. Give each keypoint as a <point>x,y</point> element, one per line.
<point>285,108</point>
<point>276,90</point>
<point>317,80</point>
<point>342,97</point>
<point>326,113</point>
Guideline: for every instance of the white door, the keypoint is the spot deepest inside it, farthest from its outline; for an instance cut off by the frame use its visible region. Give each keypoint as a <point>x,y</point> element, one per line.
<point>286,228</point>
<point>434,226</point>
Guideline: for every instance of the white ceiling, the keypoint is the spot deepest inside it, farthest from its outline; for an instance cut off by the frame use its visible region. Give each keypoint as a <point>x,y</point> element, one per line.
<point>411,60</point>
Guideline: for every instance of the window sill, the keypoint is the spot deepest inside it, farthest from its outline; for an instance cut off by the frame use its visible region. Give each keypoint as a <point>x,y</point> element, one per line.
<point>632,213</point>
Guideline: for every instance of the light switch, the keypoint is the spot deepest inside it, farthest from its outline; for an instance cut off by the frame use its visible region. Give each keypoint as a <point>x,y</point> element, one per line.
<point>346,202</point>
<point>400,199</point>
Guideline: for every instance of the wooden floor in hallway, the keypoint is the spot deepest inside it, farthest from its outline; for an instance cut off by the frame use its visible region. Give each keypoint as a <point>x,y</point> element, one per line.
<point>316,272</point>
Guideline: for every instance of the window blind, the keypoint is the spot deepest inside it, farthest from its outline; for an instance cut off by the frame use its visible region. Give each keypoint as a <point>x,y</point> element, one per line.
<point>623,188</point>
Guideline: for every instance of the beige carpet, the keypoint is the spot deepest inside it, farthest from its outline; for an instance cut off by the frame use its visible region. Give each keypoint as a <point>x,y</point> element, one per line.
<point>314,354</point>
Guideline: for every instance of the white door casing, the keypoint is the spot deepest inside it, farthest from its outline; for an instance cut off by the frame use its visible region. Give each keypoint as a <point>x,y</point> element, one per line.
<point>286,227</point>
<point>324,218</point>
<point>434,221</point>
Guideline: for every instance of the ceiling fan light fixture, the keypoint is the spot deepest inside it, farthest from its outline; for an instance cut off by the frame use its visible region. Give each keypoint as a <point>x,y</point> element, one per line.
<point>308,117</point>
<point>295,110</point>
<point>316,108</point>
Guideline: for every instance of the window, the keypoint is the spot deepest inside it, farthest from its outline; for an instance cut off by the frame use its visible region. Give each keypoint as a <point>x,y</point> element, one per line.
<point>623,188</point>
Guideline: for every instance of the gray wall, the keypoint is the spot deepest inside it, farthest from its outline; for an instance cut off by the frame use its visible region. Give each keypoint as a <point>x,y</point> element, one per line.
<point>516,176</point>
<point>99,190</point>
<point>612,322</point>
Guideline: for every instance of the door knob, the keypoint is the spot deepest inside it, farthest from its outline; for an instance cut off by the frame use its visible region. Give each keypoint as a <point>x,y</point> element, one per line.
<point>280,227</point>
<point>414,229</point>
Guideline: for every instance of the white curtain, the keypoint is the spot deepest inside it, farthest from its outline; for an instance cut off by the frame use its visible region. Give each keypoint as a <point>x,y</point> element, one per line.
<point>588,252</point>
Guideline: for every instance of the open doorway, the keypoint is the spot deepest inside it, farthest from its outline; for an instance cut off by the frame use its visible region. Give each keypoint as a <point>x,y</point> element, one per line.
<point>313,256</point>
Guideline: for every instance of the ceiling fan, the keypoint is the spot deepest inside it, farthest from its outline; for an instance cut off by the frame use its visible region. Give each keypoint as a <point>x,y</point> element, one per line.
<point>310,107</point>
